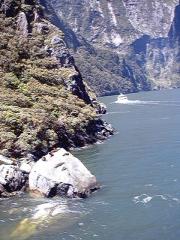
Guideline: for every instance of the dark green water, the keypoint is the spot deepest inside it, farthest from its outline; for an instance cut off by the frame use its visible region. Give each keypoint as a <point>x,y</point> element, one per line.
<point>139,169</point>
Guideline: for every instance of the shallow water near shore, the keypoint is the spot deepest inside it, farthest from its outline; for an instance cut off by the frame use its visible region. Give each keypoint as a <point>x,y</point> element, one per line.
<point>139,170</point>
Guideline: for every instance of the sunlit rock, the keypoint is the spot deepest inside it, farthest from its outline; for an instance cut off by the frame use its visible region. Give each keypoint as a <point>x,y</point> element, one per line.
<point>5,160</point>
<point>60,173</point>
<point>11,178</point>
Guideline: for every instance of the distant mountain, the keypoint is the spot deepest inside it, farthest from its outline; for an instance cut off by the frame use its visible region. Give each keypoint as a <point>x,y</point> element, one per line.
<point>122,45</point>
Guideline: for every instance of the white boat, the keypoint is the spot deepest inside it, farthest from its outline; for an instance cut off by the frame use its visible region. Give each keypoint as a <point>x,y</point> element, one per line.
<point>122,98</point>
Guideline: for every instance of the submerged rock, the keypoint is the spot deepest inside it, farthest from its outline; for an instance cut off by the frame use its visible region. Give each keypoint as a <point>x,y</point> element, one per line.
<point>44,212</point>
<point>60,173</point>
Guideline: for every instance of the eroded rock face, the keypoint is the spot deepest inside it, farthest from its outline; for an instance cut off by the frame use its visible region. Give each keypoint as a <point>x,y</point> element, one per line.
<point>123,45</point>
<point>162,57</point>
<point>152,18</point>
<point>60,173</point>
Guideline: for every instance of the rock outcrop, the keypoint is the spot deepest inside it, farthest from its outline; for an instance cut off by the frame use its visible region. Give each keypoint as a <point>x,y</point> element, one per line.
<point>60,173</point>
<point>12,179</point>
<point>5,160</point>
<point>45,103</point>
<point>123,45</point>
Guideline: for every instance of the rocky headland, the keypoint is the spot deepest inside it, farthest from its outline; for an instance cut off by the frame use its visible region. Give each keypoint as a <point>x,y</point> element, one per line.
<point>45,104</point>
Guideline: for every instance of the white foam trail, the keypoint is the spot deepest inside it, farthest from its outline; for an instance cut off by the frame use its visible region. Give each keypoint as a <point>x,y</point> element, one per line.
<point>136,102</point>
<point>109,113</point>
<point>139,102</point>
<point>162,197</point>
<point>148,185</point>
<point>144,198</point>
<point>147,199</point>
<point>176,200</point>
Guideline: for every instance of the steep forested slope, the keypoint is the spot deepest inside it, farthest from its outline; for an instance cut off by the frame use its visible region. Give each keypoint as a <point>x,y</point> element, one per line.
<point>44,102</point>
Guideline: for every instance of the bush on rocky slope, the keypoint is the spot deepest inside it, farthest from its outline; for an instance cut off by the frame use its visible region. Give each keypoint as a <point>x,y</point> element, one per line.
<point>44,102</point>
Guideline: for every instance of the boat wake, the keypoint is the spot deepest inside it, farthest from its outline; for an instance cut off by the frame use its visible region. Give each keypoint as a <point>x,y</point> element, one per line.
<point>145,198</point>
<point>135,102</point>
<point>122,99</point>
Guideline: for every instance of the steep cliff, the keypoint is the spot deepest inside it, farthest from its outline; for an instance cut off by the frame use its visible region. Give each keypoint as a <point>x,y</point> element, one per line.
<point>44,102</point>
<point>123,45</point>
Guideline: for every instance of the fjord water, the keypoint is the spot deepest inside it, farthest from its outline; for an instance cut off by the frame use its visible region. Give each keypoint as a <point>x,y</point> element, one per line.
<point>139,170</point>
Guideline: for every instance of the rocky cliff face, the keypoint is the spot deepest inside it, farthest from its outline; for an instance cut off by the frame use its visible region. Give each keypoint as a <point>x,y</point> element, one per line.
<point>123,45</point>
<point>44,101</point>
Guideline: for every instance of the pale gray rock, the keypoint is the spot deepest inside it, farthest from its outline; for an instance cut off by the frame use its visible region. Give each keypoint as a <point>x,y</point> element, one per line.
<point>155,23</point>
<point>26,166</point>
<point>61,52</point>
<point>60,173</point>
<point>5,160</point>
<point>11,178</point>
<point>22,24</point>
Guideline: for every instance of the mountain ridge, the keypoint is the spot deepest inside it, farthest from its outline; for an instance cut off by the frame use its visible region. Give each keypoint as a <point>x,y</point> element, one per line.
<point>106,35</point>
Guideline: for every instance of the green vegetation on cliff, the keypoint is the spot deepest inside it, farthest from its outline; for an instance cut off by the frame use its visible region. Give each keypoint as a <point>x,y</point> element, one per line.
<point>44,102</point>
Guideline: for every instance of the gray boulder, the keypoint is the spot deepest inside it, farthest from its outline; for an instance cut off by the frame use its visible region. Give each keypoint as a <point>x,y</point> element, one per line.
<point>60,173</point>
<point>11,178</point>
<point>5,160</point>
